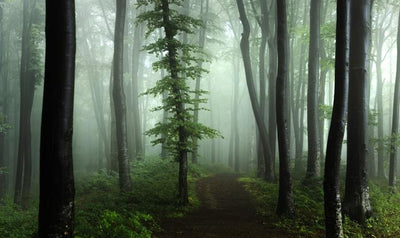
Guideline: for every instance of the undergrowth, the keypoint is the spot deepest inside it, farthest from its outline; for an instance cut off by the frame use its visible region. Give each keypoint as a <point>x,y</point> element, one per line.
<point>102,211</point>
<point>308,220</point>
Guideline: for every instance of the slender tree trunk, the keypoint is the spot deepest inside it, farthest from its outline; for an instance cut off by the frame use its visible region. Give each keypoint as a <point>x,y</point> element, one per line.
<point>119,99</point>
<point>202,42</point>
<point>3,112</point>
<point>313,169</point>
<point>113,163</point>
<point>137,43</point>
<point>272,96</point>
<point>332,204</point>
<point>285,200</point>
<point>379,101</point>
<point>56,206</point>
<point>27,89</point>
<point>244,46</point>
<point>395,120</point>
<point>356,198</point>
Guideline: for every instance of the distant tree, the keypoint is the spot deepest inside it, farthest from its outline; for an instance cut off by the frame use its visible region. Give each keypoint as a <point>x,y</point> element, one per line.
<point>30,74</point>
<point>204,8</point>
<point>56,205</point>
<point>356,197</point>
<point>285,199</point>
<point>313,168</point>
<point>119,98</point>
<point>395,120</point>
<point>332,205</point>
<point>3,91</point>
<point>245,49</point>
<point>181,62</point>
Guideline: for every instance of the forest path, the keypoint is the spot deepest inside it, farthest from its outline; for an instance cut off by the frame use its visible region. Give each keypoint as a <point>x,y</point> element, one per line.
<point>225,211</point>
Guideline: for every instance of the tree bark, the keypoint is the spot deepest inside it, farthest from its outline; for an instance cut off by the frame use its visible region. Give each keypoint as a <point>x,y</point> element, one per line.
<point>356,198</point>
<point>332,204</point>
<point>56,206</point>
<point>119,99</point>
<point>395,120</point>
<point>313,168</point>
<point>285,199</point>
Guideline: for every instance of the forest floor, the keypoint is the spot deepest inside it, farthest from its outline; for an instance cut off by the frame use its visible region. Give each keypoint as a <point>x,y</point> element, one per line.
<point>226,210</point>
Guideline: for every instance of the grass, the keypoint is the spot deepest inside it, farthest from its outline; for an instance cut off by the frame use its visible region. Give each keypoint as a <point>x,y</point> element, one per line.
<point>309,211</point>
<point>102,211</point>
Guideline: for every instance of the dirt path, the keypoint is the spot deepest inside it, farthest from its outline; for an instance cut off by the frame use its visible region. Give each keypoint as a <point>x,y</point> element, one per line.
<point>225,211</point>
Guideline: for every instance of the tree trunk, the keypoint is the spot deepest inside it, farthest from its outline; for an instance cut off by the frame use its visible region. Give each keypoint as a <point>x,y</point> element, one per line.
<point>356,198</point>
<point>56,206</point>
<point>137,43</point>
<point>285,200</point>
<point>202,42</point>
<point>179,109</point>
<point>313,168</point>
<point>27,89</point>
<point>119,99</point>
<point>244,46</point>
<point>3,112</point>
<point>332,204</point>
<point>395,120</point>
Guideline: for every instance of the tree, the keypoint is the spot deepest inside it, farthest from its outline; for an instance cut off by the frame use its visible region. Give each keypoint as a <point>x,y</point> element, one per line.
<point>56,205</point>
<point>30,74</point>
<point>332,204</point>
<point>181,62</point>
<point>395,120</point>
<point>244,47</point>
<point>285,200</point>
<point>312,95</point>
<point>202,42</point>
<point>356,197</point>
<point>119,99</point>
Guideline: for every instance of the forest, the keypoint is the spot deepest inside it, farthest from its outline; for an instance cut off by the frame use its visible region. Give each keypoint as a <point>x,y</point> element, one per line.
<point>199,118</point>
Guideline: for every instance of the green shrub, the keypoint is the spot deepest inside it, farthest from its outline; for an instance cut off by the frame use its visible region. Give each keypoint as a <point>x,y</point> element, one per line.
<point>16,222</point>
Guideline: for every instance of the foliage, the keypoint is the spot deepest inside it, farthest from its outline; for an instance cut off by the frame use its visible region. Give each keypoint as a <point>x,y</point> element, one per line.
<point>181,62</point>
<point>309,206</point>
<point>4,126</point>
<point>325,111</point>
<point>115,225</point>
<point>16,222</point>
<point>101,208</point>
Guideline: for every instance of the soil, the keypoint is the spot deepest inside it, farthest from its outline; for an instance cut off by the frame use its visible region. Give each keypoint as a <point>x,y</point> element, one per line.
<point>226,211</point>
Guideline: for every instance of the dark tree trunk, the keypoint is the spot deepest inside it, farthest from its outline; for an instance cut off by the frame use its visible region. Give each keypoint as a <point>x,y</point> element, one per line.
<point>395,120</point>
<point>313,168</point>
<point>56,208</point>
<point>333,210</point>
<point>356,198</point>
<point>285,200</point>
<point>244,46</point>
<point>119,99</point>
